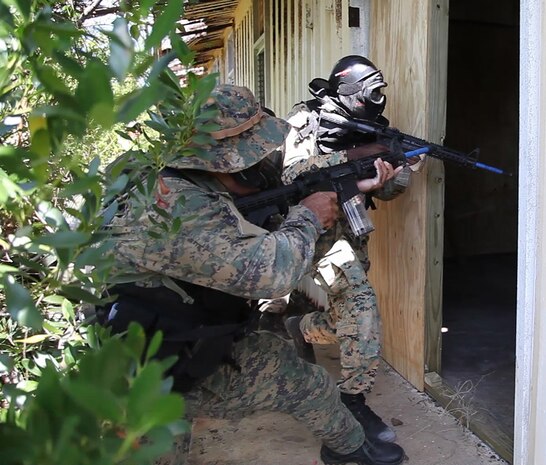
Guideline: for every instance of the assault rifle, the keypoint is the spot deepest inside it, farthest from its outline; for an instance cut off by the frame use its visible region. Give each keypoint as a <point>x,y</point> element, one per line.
<point>408,142</point>
<point>342,178</point>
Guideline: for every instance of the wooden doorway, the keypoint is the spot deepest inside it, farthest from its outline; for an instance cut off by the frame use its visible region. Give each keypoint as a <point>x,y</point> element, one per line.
<point>480,254</point>
<point>459,64</point>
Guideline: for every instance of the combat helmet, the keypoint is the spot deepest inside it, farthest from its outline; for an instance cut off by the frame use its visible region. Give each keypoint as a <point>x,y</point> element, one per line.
<point>246,136</point>
<point>356,83</point>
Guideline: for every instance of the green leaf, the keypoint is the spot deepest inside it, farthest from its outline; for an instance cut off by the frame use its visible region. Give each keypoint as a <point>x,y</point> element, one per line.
<point>165,410</point>
<point>6,362</point>
<point>33,339</point>
<point>24,7</point>
<point>53,216</point>
<point>6,269</point>
<point>135,340</point>
<point>161,65</point>
<point>103,114</point>
<point>94,166</point>
<point>109,212</point>
<point>64,239</point>
<point>161,212</point>
<point>79,186</point>
<point>20,305</point>
<point>94,86</point>
<point>15,444</point>
<point>54,299</point>
<point>96,400</point>
<point>40,145</point>
<point>67,310</point>
<point>171,13</point>
<point>139,101</point>
<point>159,441</point>
<point>146,6</point>
<point>145,390</point>
<point>69,65</point>
<point>6,15</point>
<point>183,52</point>
<point>92,255</point>
<point>154,345</point>
<point>176,225</point>
<point>179,427</point>
<point>52,81</point>
<point>121,49</point>
<point>76,293</point>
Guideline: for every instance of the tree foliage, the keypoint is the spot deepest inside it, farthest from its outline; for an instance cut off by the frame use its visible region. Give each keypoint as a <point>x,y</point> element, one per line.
<point>68,88</point>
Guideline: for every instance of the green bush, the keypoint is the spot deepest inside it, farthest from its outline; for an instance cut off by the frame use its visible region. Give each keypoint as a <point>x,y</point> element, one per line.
<point>67,95</point>
<point>112,409</point>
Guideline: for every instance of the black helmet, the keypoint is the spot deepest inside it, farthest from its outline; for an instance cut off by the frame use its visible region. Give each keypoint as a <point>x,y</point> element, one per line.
<point>356,83</point>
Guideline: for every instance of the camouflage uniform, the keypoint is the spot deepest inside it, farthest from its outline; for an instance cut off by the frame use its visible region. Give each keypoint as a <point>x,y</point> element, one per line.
<point>217,248</point>
<point>352,318</point>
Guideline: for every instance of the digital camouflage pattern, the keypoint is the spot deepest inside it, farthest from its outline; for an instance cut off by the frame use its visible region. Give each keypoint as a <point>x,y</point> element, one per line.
<point>273,378</point>
<point>352,317</point>
<point>245,136</point>
<point>217,248</point>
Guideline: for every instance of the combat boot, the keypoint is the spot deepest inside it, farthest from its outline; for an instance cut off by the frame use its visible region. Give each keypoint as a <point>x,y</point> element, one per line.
<point>374,427</point>
<point>378,453</point>
<point>303,348</point>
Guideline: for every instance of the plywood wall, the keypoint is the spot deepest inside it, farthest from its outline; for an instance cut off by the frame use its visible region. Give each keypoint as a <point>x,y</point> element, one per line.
<point>408,41</point>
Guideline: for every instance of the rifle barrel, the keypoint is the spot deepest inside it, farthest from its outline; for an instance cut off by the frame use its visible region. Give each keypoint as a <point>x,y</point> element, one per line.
<point>411,142</point>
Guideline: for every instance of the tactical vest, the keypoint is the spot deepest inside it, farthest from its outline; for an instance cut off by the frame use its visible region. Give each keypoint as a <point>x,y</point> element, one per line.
<point>200,334</point>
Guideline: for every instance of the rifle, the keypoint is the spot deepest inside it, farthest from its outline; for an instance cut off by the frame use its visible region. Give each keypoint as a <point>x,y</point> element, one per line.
<point>408,142</point>
<point>342,178</point>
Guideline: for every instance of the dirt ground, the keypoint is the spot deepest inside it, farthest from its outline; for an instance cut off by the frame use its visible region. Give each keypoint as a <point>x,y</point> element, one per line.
<point>429,435</point>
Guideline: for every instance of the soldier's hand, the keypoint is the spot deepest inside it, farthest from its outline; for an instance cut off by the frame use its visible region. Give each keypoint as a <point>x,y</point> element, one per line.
<point>385,171</point>
<point>324,205</point>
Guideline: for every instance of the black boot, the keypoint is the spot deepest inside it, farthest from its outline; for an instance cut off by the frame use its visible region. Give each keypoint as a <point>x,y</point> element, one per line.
<point>373,426</point>
<point>379,453</point>
<point>304,349</point>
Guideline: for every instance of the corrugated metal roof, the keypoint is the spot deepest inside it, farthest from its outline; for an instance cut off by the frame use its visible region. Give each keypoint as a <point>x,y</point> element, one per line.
<point>205,25</point>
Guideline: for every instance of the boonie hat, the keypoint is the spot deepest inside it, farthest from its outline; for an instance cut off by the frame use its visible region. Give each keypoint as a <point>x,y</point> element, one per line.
<point>247,134</point>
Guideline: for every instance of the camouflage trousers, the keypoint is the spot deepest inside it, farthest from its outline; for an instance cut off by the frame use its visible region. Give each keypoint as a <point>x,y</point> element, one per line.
<point>270,377</point>
<point>352,318</point>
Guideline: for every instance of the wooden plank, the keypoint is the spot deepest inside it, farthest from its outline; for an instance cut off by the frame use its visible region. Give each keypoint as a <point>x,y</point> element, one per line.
<point>405,250</point>
<point>436,114</point>
<point>476,419</point>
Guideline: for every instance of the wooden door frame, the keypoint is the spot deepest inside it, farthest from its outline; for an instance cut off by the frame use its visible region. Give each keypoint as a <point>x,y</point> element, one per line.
<point>530,396</point>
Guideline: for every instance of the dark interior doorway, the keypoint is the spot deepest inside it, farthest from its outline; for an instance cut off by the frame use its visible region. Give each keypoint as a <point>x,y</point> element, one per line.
<point>479,299</point>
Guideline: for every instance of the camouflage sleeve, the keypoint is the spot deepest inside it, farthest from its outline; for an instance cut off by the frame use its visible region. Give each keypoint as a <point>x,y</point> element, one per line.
<point>291,172</point>
<point>216,247</point>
